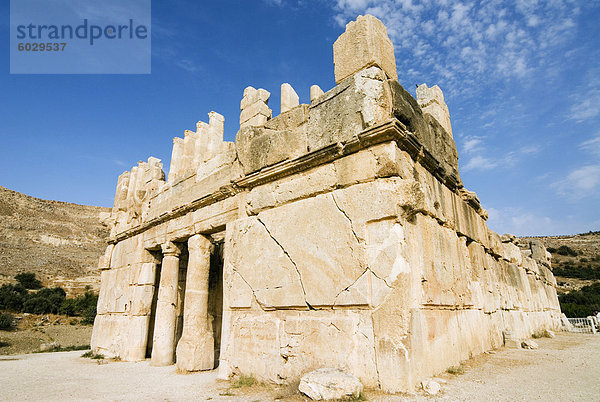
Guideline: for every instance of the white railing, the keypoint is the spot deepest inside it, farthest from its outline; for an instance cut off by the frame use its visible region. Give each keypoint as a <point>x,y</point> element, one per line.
<point>586,325</point>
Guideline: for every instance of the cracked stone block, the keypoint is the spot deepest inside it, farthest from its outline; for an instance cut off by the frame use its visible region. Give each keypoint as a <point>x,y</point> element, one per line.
<point>323,246</point>
<point>263,264</point>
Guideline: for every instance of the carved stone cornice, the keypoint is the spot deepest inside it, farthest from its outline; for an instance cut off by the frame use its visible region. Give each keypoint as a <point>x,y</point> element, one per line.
<point>392,130</point>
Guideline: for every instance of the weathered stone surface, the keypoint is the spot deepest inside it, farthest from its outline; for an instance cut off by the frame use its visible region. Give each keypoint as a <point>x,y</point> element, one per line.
<point>508,238</point>
<point>425,129</point>
<point>163,352</point>
<point>432,102</point>
<point>364,44</point>
<point>195,349</point>
<point>326,255</point>
<point>290,120</point>
<point>329,384</point>
<point>261,262</point>
<point>289,97</point>
<point>252,95</point>
<point>253,107</point>
<point>360,102</point>
<point>258,108</point>
<point>431,387</point>
<point>315,92</point>
<point>49,347</point>
<point>259,147</point>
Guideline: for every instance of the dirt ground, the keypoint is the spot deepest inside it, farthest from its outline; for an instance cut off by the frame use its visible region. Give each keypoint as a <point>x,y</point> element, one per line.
<point>564,368</point>
<point>34,330</point>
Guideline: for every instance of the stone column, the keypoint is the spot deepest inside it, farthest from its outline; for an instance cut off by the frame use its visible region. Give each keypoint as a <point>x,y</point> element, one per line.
<point>195,350</point>
<point>163,343</point>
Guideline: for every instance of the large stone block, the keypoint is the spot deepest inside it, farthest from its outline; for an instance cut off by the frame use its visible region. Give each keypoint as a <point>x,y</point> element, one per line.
<point>432,102</point>
<point>365,43</point>
<point>323,246</point>
<point>259,147</point>
<point>263,264</point>
<point>360,102</point>
<point>291,343</point>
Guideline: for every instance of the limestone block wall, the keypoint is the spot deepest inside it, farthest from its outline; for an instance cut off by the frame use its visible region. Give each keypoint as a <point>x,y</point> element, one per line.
<point>382,271</point>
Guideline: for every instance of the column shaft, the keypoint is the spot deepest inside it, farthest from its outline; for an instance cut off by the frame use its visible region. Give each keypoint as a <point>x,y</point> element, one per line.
<point>163,343</point>
<point>195,350</point>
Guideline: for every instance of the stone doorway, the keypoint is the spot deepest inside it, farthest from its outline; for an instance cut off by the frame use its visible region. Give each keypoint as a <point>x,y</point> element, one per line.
<point>181,284</point>
<point>151,322</point>
<point>215,296</point>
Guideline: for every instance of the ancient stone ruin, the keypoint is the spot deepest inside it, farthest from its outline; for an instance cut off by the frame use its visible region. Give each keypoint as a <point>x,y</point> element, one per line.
<point>336,234</point>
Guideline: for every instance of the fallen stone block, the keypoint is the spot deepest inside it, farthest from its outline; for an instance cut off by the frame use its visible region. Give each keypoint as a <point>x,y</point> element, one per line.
<point>529,344</point>
<point>431,387</point>
<point>330,383</point>
<point>49,347</point>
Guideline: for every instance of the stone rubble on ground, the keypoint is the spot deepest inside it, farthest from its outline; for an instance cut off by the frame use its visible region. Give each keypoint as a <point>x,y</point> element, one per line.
<point>49,347</point>
<point>431,387</point>
<point>529,344</point>
<point>330,384</point>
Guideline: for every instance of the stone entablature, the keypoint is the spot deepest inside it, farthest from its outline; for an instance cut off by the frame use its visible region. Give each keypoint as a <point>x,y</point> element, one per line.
<point>337,233</point>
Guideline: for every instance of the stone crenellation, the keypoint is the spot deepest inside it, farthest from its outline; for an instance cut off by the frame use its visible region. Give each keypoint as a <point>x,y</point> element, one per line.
<point>336,234</point>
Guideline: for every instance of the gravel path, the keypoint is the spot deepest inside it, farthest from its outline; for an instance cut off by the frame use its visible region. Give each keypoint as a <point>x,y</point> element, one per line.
<point>564,368</point>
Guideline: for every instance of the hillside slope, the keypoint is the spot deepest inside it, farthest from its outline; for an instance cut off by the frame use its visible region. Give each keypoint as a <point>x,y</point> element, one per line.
<point>575,259</point>
<point>59,241</point>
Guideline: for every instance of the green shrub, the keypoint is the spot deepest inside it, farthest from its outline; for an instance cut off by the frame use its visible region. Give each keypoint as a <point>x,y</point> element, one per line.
<point>12,297</point>
<point>28,280</point>
<point>84,306</point>
<point>581,303</point>
<point>89,314</point>
<point>566,251</point>
<point>578,271</point>
<point>7,322</point>
<point>45,301</point>
<point>91,355</point>
<point>244,381</point>
<point>455,370</point>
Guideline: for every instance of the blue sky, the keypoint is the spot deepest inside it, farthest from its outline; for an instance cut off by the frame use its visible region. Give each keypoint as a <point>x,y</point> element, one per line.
<point>521,80</point>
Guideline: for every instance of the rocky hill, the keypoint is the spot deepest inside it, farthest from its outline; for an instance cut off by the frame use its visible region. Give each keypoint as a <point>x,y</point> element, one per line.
<point>59,241</point>
<point>575,259</point>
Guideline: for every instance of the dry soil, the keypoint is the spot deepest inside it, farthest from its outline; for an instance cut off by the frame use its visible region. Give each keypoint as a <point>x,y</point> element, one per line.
<point>564,368</point>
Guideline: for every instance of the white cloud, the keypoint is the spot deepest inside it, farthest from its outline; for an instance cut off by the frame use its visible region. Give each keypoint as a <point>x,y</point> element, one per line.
<point>467,43</point>
<point>472,144</point>
<point>188,65</point>
<point>592,145</point>
<point>523,222</point>
<point>479,162</point>
<point>587,105</point>
<point>580,183</point>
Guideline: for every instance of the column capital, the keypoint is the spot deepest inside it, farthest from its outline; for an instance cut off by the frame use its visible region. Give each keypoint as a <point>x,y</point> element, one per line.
<point>199,242</point>
<point>171,248</point>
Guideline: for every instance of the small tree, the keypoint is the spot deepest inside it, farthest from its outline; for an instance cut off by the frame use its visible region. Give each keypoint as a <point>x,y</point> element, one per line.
<point>7,322</point>
<point>12,297</point>
<point>28,280</point>
<point>45,301</point>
